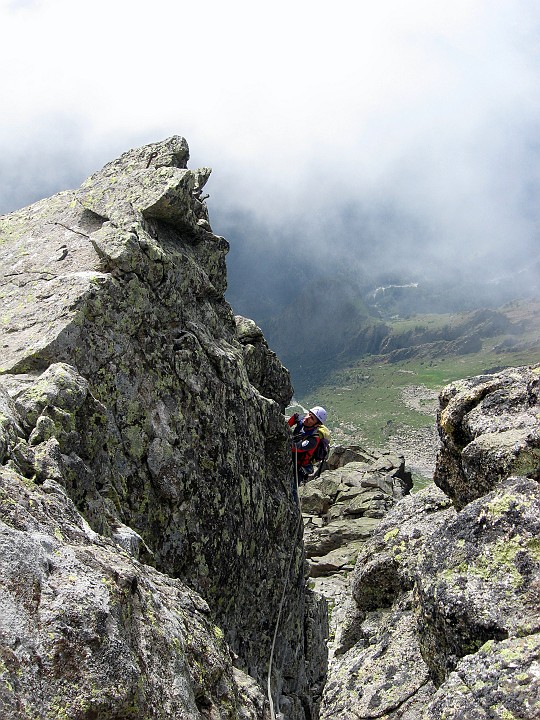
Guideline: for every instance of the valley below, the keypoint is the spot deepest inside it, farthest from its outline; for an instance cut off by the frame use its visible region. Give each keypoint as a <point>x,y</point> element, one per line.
<point>389,400</point>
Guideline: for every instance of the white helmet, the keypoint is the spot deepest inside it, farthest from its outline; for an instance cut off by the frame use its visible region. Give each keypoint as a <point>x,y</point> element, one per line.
<point>320,413</point>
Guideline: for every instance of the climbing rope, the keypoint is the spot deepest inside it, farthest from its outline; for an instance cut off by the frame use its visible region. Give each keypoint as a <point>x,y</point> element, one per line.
<point>273,716</point>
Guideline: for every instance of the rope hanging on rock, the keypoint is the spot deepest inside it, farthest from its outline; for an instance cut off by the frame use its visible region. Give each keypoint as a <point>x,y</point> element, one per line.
<point>273,716</point>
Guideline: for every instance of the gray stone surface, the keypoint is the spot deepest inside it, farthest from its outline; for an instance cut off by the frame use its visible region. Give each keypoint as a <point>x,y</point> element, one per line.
<point>86,631</point>
<point>443,617</point>
<point>490,429</point>
<point>384,673</point>
<point>501,680</point>
<point>126,382</point>
<point>344,505</point>
<point>146,519</point>
<point>479,576</point>
<point>341,510</point>
<point>264,369</point>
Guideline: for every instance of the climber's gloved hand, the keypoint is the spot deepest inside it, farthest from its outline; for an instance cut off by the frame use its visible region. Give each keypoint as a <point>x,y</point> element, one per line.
<point>293,420</point>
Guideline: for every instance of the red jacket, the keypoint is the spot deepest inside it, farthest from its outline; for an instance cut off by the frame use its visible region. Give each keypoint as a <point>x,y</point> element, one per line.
<point>304,442</point>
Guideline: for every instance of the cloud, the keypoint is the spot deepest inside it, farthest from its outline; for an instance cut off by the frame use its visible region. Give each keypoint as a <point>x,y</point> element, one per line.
<point>393,132</point>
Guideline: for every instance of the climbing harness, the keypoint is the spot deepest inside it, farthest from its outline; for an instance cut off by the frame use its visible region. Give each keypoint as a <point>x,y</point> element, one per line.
<point>273,716</point>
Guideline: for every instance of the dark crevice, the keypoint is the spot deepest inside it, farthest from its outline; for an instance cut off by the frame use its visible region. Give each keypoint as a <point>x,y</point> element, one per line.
<point>91,221</point>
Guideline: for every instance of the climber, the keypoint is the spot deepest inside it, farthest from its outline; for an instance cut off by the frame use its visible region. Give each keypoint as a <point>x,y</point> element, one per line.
<point>309,443</point>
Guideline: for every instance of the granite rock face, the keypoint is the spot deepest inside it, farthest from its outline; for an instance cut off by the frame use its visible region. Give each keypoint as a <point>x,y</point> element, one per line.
<point>489,428</point>
<point>265,371</point>
<point>443,619</point>
<point>378,669</point>
<point>126,384</point>
<point>87,631</point>
<point>479,576</point>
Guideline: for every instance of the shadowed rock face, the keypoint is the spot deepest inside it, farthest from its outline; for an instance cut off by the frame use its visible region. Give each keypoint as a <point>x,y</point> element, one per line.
<point>125,382</point>
<point>444,614</point>
<point>89,632</point>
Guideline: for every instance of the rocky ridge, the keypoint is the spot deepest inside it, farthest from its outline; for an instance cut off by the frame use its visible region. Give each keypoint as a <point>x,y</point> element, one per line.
<point>146,512</point>
<point>146,516</point>
<point>443,620</point>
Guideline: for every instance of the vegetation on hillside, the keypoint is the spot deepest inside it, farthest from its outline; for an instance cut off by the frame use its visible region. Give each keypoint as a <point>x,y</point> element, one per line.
<point>374,397</point>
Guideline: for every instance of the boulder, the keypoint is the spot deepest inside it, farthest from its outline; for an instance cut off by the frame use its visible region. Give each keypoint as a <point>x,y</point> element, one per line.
<point>341,510</point>
<point>479,576</point>
<point>386,566</point>
<point>385,672</point>
<point>349,500</point>
<point>343,455</point>
<point>337,534</point>
<point>265,371</point>
<point>490,429</point>
<point>342,558</point>
<point>500,680</point>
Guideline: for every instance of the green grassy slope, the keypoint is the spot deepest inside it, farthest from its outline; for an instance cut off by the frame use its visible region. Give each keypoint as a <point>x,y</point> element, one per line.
<point>374,401</point>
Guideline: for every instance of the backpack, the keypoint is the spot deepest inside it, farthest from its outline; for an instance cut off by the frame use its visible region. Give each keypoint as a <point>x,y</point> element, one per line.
<point>321,453</point>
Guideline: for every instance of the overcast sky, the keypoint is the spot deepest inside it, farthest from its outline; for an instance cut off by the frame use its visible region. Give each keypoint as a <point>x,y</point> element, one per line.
<point>317,118</point>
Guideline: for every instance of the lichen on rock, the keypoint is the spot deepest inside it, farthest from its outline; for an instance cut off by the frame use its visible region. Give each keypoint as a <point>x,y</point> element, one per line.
<point>456,574</point>
<point>490,429</point>
<point>126,385</point>
<point>87,631</point>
